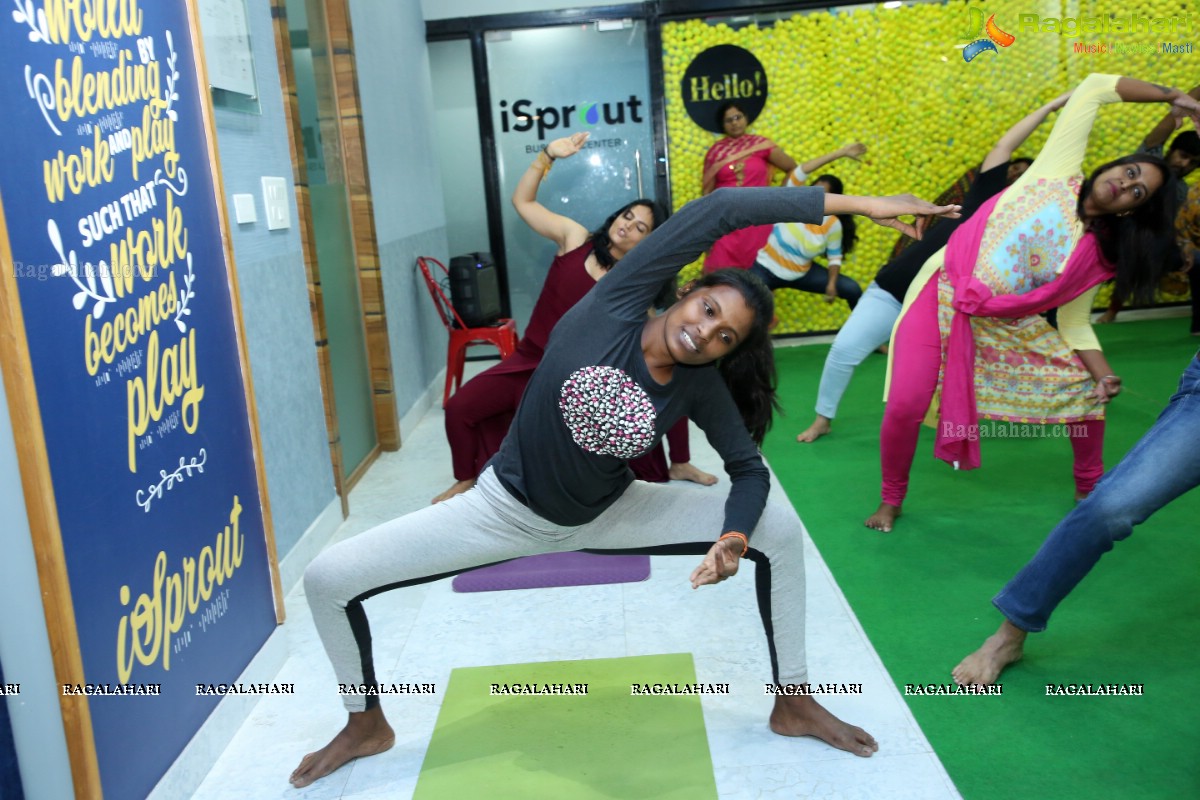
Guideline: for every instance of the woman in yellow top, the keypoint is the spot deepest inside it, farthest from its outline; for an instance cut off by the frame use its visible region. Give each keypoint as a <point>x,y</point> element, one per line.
<point>971,326</point>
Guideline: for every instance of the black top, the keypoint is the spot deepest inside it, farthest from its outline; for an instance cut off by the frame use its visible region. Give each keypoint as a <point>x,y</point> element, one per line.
<point>592,405</point>
<point>896,275</point>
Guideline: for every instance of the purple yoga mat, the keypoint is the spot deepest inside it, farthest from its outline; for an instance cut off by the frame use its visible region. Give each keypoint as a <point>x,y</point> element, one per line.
<point>554,569</point>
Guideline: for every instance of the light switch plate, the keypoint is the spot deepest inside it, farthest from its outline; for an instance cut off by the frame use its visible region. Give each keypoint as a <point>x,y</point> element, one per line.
<point>275,202</point>
<point>243,209</point>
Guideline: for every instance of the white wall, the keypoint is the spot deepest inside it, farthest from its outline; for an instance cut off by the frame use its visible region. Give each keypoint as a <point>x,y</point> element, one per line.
<point>450,9</point>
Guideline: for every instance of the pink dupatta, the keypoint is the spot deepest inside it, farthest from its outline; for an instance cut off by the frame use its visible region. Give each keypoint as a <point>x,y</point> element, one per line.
<point>958,418</point>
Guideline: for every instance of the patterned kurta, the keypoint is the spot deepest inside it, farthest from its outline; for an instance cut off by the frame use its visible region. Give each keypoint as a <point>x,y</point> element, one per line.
<point>1025,370</point>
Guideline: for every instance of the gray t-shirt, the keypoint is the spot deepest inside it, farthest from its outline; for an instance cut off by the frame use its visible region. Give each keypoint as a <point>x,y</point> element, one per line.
<point>592,404</point>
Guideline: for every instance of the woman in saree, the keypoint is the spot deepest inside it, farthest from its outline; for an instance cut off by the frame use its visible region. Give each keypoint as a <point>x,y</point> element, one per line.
<point>747,159</point>
<point>971,328</point>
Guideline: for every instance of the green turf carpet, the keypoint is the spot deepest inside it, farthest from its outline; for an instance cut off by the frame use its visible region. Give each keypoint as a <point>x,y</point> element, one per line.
<point>606,744</point>
<point>923,592</point>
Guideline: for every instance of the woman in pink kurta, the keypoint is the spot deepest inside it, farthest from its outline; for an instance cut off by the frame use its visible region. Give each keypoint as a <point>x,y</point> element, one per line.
<point>971,326</point>
<point>478,415</point>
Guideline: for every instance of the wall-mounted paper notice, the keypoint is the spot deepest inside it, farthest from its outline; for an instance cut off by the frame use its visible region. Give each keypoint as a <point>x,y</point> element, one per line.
<point>227,53</point>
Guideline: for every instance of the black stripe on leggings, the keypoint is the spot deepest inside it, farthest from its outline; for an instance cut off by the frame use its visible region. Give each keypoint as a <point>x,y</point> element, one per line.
<point>762,586</point>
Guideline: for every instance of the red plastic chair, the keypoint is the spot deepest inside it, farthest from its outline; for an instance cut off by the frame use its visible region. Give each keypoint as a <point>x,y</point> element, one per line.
<point>503,334</point>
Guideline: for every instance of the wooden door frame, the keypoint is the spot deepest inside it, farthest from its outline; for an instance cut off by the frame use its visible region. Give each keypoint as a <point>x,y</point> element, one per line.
<point>362,228</point>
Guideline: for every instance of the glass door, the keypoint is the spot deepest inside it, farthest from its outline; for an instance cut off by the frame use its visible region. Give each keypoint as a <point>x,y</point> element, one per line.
<point>549,82</point>
<point>459,146</point>
<point>312,62</point>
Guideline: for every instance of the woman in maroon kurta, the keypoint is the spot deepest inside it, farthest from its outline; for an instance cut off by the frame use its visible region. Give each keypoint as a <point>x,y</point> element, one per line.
<point>479,413</point>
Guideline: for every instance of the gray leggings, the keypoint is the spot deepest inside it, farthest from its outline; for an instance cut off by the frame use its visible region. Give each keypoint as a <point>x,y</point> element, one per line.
<point>487,525</point>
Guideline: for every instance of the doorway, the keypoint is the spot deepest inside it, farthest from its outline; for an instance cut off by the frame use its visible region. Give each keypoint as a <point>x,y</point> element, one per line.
<point>521,85</point>
<point>337,247</point>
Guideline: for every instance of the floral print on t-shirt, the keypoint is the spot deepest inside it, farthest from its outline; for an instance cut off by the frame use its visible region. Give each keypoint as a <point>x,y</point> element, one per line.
<point>607,412</point>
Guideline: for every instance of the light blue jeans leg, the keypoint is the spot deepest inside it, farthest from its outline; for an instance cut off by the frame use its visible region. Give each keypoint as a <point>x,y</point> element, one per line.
<point>1164,464</point>
<point>869,326</point>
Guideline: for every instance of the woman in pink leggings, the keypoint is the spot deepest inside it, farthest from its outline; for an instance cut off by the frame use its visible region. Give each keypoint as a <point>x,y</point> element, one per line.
<point>971,331</point>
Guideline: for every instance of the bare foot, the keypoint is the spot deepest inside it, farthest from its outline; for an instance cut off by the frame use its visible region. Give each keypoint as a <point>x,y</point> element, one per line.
<point>458,488</point>
<point>367,733</point>
<point>882,349</point>
<point>1080,495</point>
<point>819,428</point>
<point>884,517</point>
<point>801,715</point>
<point>684,471</point>
<point>1004,647</point>
<point>1106,317</point>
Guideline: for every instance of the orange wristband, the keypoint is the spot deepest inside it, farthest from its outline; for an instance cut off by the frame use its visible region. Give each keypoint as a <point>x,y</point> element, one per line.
<point>742,536</point>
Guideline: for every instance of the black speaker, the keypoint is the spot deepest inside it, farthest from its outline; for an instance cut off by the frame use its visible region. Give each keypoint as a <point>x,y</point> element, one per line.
<point>475,289</point>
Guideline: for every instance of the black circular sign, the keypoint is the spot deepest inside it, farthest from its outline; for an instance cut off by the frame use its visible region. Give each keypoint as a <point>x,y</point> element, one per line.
<point>721,74</point>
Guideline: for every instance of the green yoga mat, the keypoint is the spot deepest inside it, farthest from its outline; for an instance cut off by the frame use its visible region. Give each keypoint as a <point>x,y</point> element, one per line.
<point>923,593</point>
<point>607,744</point>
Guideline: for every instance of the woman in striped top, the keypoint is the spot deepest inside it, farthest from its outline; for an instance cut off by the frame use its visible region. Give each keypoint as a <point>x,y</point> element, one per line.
<point>786,261</point>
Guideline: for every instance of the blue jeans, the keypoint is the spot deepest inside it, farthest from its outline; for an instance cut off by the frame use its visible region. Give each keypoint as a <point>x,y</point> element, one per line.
<point>869,326</point>
<point>815,281</point>
<point>1164,464</point>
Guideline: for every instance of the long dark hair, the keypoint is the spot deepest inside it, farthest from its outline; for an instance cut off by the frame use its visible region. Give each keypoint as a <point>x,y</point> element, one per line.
<point>749,370</point>
<point>600,239</point>
<point>849,228</point>
<point>1140,243</point>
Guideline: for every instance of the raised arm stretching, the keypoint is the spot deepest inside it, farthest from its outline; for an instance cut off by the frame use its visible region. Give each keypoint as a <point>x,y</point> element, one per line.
<point>563,231</point>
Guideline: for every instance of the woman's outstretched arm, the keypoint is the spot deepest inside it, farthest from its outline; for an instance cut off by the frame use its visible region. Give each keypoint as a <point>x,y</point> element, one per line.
<point>854,150</point>
<point>886,211</point>
<point>1158,135</point>
<point>1064,151</point>
<point>563,231</point>
<point>632,284</point>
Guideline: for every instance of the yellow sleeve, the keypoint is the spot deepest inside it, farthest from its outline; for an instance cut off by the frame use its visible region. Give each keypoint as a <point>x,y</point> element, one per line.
<point>1063,153</point>
<point>1075,322</point>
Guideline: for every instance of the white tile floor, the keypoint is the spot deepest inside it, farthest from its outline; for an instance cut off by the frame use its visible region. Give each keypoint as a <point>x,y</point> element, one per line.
<point>423,632</point>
